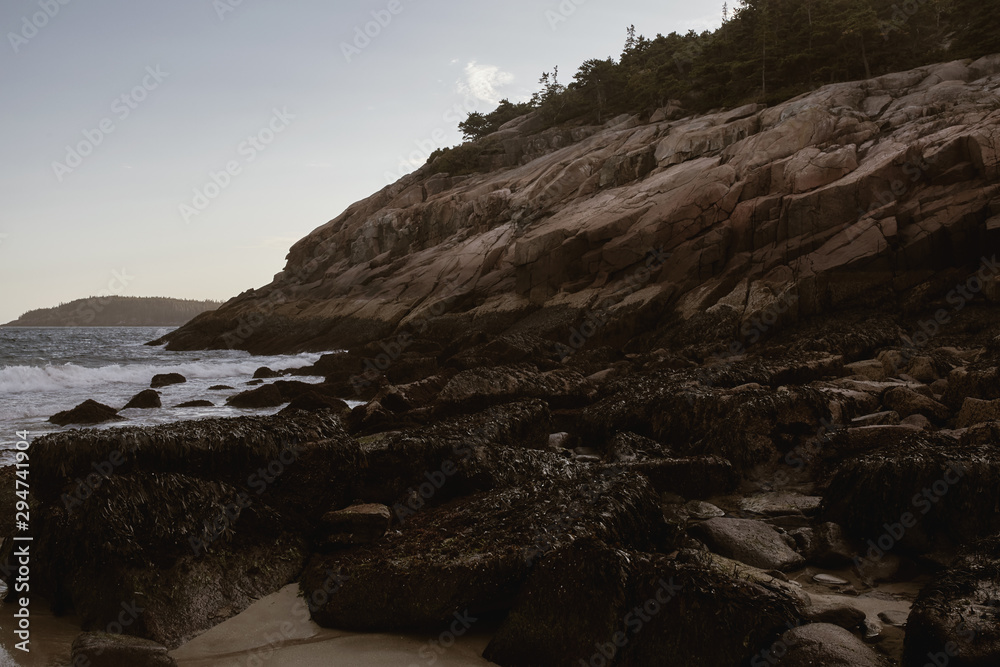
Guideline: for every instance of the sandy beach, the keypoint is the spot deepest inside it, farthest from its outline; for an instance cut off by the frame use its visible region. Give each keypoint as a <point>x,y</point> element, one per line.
<point>270,632</point>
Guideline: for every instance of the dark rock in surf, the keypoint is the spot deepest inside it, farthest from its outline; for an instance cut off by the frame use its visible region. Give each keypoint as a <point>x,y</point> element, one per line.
<point>146,399</point>
<point>196,404</point>
<point>166,379</point>
<point>88,412</point>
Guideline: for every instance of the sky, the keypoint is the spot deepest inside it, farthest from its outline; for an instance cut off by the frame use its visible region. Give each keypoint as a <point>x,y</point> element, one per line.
<point>180,148</point>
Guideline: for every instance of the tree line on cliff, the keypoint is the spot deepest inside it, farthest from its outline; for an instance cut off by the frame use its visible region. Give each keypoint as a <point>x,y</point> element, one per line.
<point>765,51</point>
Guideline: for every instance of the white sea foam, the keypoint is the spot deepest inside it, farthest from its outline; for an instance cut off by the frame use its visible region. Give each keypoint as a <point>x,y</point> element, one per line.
<point>22,379</point>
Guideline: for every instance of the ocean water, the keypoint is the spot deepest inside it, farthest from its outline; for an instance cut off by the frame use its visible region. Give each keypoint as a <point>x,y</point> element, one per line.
<point>46,370</point>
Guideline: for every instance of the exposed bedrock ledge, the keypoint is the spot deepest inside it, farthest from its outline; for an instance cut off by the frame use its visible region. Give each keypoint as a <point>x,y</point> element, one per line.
<point>857,192</point>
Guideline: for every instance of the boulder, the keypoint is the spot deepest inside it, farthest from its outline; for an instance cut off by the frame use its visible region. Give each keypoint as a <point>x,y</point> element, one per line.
<point>315,402</point>
<point>267,396</point>
<point>887,418</point>
<point>828,645</point>
<point>907,402</point>
<point>88,412</point>
<point>166,379</point>
<point>279,392</point>
<point>357,524</point>
<point>588,603</point>
<point>471,554</point>
<point>220,387</point>
<point>265,373</point>
<point>196,404</point>
<point>956,618</point>
<point>298,460</point>
<point>101,649</point>
<point>922,369</point>
<point>976,411</point>
<point>691,477</point>
<point>825,545</point>
<point>145,400</point>
<point>920,493</point>
<point>186,552</point>
<point>482,387</point>
<point>748,541</point>
<point>836,613</point>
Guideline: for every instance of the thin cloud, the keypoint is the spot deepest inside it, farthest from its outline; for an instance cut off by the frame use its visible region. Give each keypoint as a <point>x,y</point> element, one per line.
<point>482,82</point>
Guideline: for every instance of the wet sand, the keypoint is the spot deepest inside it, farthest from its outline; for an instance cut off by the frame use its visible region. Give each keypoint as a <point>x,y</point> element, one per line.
<point>51,637</point>
<point>275,632</point>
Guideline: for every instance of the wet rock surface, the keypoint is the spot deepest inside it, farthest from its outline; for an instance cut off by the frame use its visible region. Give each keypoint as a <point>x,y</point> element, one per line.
<point>88,412</point>
<point>145,400</point>
<point>166,379</point>
<point>956,619</point>
<point>101,649</point>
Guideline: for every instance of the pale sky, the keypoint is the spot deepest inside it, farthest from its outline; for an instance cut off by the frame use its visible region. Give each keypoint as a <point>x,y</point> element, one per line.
<point>116,114</point>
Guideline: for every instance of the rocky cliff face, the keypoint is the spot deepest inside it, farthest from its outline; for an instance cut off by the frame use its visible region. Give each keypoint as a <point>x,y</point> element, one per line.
<point>735,222</point>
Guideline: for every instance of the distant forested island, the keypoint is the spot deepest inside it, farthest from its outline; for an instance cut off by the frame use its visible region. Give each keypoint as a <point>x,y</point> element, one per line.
<point>116,311</point>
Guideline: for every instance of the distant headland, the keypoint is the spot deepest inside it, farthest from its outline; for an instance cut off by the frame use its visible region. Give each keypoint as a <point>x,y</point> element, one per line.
<point>116,311</point>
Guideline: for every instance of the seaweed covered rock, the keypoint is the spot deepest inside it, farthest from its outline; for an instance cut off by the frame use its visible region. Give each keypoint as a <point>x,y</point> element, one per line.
<point>690,477</point>
<point>279,392</point>
<point>181,552</point>
<point>471,554</point>
<point>458,456</point>
<point>906,402</point>
<point>588,603</point>
<point>88,412</point>
<point>357,524</point>
<point>828,645</point>
<point>677,410</point>
<point>481,387</point>
<point>304,463</point>
<point>920,493</point>
<point>956,618</point>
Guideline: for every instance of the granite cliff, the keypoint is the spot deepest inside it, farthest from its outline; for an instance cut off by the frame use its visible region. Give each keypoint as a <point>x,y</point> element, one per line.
<point>655,230</point>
